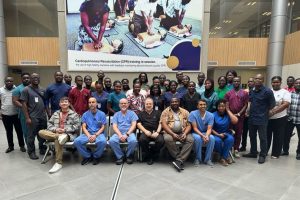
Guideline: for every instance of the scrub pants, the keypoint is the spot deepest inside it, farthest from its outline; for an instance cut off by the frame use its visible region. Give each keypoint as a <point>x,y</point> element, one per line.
<point>223,146</point>
<point>81,141</point>
<point>198,143</point>
<point>114,143</point>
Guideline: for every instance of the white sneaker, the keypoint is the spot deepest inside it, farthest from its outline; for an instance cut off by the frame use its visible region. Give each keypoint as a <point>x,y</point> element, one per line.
<point>63,138</point>
<point>236,154</point>
<point>56,167</point>
<point>196,163</point>
<point>210,163</point>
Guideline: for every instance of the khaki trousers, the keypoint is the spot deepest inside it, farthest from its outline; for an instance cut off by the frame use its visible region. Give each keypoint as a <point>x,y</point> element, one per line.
<point>53,137</point>
<point>175,151</point>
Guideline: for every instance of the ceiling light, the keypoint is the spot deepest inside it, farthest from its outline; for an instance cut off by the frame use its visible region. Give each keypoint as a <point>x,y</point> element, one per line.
<point>218,27</point>
<point>225,21</point>
<point>251,3</point>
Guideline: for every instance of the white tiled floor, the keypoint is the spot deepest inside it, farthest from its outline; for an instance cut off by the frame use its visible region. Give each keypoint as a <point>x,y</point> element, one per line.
<point>22,178</point>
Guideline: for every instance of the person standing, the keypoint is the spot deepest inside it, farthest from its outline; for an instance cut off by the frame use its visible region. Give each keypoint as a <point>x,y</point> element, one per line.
<point>16,94</point>
<point>293,120</point>
<point>200,88</point>
<point>54,92</point>
<point>79,97</point>
<point>245,126</point>
<point>278,117</point>
<point>290,84</point>
<point>10,115</point>
<point>222,89</point>
<point>101,96</point>
<point>237,100</point>
<point>137,99</point>
<point>191,98</point>
<point>261,102</point>
<point>210,96</point>
<point>33,104</point>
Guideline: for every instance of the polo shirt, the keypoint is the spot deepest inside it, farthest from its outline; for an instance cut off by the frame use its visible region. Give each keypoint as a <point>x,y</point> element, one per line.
<point>7,106</point>
<point>202,124</point>
<point>150,121</point>
<point>123,121</point>
<point>262,100</point>
<point>94,121</point>
<point>54,93</point>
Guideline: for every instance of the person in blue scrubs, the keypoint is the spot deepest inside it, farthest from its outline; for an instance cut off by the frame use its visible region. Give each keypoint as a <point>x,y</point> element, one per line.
<point>224,140</point>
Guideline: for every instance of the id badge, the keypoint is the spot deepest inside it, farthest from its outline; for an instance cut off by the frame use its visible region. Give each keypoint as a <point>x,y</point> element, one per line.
<point>99,105</point>
<point>36,99</point>
<point>156,108</point>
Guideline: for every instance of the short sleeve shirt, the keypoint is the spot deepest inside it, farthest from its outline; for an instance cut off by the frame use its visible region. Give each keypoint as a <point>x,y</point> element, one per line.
<point>150,121</point>
<point>124,121</point>
<point>172,6</point>
<point>94,121</point>
<point>280,96</point>
<point>101,101</point>
<point>17,93</point>
<point>114,99</point>
<point>54,92</point>
<point>145,6</point>
<point>7,106</point>
<point>221,123</point>
<point>202,123</point>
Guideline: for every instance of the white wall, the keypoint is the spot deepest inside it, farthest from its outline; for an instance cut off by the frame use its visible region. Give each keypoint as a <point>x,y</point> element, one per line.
<point>290,70</point>
<point>194,9</point>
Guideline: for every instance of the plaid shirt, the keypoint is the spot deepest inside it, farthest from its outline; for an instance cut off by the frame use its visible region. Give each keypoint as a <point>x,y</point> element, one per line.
<point>294,109</point>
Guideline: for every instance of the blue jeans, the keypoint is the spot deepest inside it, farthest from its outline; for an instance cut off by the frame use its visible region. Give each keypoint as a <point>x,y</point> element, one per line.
<point>80,144</point>
<point>198,143</point>
<point>114,143</point>
<point>223,146</point>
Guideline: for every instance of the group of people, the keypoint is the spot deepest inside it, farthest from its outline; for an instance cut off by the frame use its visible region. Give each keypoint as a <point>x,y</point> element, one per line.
<point>181,115</point>
<point>94,16</point>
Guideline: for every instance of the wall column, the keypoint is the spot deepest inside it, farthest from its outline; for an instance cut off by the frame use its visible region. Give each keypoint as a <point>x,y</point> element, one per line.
<point>205,36</point>
<point>62,35</point>
<point>3,53</point>
<point>276,39</point>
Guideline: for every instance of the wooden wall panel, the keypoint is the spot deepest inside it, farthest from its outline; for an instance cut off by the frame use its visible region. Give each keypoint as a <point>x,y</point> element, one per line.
<point>292,49</point>
<point>45,50</point>
<point>228,51</point>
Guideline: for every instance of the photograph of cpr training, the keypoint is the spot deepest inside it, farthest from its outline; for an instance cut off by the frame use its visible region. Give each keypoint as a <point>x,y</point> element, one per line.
<point>144,28</point>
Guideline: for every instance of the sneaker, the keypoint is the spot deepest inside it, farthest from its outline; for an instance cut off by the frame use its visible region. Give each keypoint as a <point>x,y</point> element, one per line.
<point>119,161</point>
<point>261,160</point>
<point>298,156</point>
<point>229,160</point>
<point>33,156</point>
<point>236,154</point>
<point>250,155</point>
<point>22,149</point>
<point>210,163</point>
<point>177,165</point>
<point>274,157</point>
<point>223,162</point>
<point>129,160</point>
<point>197,163</point>
<point>56,167</point>
<point>63,138</point>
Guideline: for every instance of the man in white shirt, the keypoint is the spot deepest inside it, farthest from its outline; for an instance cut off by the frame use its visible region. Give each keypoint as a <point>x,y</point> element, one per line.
<point>10,115</point>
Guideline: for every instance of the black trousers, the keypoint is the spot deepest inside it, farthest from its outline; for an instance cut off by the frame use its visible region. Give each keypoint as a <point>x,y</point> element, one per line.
<point>262,133</point>
<point>275,130</point>
<point>151,150</point>
<point>10,121</point>
<point>36,125</point>
<point>245,132</point>
<point>168,22</point>
<point>287,136</point>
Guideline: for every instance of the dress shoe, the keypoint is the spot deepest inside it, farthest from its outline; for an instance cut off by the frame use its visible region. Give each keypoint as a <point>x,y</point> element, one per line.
<point>33,156</point>
<point>150,161</point>
<point>285,153</point>
<point>85,161</point>
<point>242,149</point>
<point>119,161</point>
<point>129,160</point>
<point>96,161</point>
<point>22,149</point>
<point>9,149</point>
<point>261,159</point>
<point>298,156</point>
<point>250,155</point>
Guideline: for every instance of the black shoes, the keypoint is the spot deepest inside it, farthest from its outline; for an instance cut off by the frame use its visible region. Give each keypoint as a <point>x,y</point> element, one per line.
<point>285,153</point>
<point>9,149</point>
<point>298,156</point>
<point>85,161</point>
<point>178,165</point>
<point>96,161</point>
<point>150,161</point>
<point>261,159</point>
<point>22,149</point>
<point>129,160</point>
<point>242,149</point>
<point>33,156</point>
<point>250,155</point>
<point>119,161</point>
